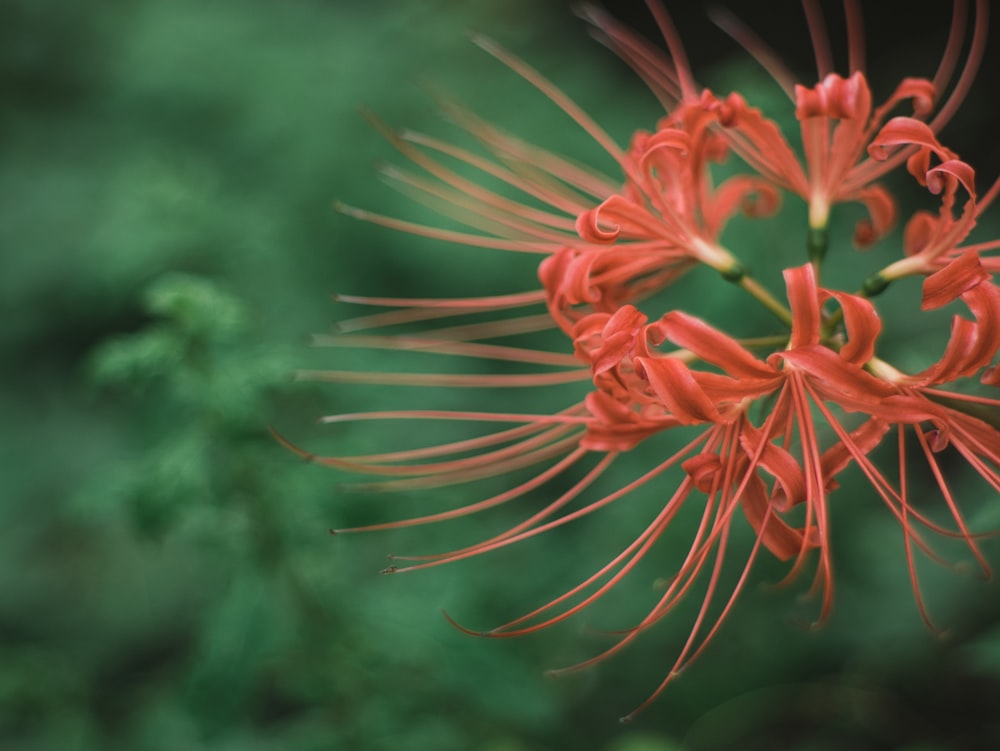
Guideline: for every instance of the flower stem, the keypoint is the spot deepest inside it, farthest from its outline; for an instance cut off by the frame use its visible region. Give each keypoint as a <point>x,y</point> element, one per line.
<point>816,244</point>
<point>764,342</point>
<point>765,298</point>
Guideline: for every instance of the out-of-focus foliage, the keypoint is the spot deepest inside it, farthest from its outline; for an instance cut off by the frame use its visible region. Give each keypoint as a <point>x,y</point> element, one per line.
<point>167,582</point>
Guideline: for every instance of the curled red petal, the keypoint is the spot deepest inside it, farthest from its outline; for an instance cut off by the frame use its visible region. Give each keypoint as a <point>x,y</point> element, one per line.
<point>672,143</point>
<point>616,426</point>
<point>611,352</point>
<point>755,197</point>
<point>616,217</point>
<point>779,463</point>
<point>863,326</point>
<point>678,389</point>
<point>881,208</point>
<point>907,409</point>
<point>618,338</point>
<point>607,409</point>
<point>961,343</point>
<point>804,302</point>
<point>712,346</point>
<point>950,282</point>
<point>919,232</point>
<point>764,200</point>
<point>567,277</point>
<point>727,110</point>
<point>834,97</point>
<point>918,163</point>
<point>703,469</point>
<point>627,318</point>
<point>765,145</point>
<point>784,542</point>
<point>725,389</point>
<point>589,227</point>
<point>905,131</point>
<point>952,169</point>
<point>919,90</point>
<point>587,331</point>
<point>972,345</point>
<point>984,301</point>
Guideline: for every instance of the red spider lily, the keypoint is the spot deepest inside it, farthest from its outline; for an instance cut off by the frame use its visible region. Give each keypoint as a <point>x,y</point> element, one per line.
<point>640,392</point>
<point>777,418</point>
<point>928,238</point>
<point>806,377</point>
<point>667,197</point>
<point>809,373</point>
<point>959,421</point>
<point>667,217</point>
<point>803,374</point>
<point>933,242</point>
<point>837,118</point>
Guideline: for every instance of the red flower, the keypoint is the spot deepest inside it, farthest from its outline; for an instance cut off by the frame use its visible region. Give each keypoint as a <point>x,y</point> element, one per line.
<point>668,200</point>
<point>771,422</point>
<point>960,422</point>
<point>837,118</point>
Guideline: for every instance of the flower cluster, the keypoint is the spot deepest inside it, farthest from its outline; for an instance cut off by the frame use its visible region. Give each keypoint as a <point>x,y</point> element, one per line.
<point>767,424</point>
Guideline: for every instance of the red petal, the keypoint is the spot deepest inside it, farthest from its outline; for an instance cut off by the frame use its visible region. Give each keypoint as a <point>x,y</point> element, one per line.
<point>845,383</point>
<point>836,458</point>
<point>920,90</point>
<point>677,388</point>
<point>938,177</point>
<point>881,208</point>
<point>712,346</point>
<point>905,131</point>
<point>783,541</point>
<point>617,216</point>
<point>958,277</point>
<point>984,302</point>
<point>862,324</point>
<point>588,227</point>
<point>834,97</point>
<point>671,143</point>
<point>703,469</point>
<point>919,232</point>
<point>778,463</point>
<point>906,409</point>
<point>723,388</point>
<point>802,297</point>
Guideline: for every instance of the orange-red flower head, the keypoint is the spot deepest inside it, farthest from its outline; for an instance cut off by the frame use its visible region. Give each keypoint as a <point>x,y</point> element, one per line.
<point>761,428</point>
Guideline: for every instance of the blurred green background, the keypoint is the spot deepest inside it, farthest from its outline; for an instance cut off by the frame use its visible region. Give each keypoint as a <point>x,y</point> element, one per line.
<point>167,170</point>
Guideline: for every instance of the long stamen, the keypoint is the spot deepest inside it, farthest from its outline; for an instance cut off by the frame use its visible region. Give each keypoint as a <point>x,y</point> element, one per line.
<point>756,47</point>
<point>855,36</point>
<point>564,103</point>
<point>676,47</point>
<point>452,236</point>
<point>447,380</point>
<point>820,39</point>
<point>969,71</point>
<point>559,503</point>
